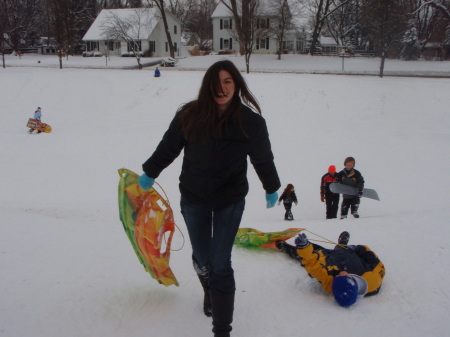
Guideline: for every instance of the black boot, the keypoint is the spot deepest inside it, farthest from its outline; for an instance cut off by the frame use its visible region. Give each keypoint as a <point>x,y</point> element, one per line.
<point>344,238</point>
<point>222,313</point>
<point>203,276</point>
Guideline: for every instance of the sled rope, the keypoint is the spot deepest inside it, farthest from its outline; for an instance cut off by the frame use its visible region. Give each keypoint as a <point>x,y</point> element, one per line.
<point>325,240</point>
<point>182,235</point>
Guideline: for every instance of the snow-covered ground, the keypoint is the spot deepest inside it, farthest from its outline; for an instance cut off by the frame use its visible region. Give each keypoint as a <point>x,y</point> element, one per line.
<point>68,269</point>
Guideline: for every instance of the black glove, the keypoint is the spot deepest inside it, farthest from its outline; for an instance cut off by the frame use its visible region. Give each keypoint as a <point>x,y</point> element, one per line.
<point>301,241</point>
<point>358,195</point>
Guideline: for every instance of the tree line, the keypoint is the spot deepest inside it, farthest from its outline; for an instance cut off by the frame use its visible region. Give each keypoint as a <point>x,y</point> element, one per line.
<point>388,28</point>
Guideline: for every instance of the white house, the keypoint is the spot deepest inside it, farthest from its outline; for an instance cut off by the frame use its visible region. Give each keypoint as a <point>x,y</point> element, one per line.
<point>143,26</point>
<point>225,38</point>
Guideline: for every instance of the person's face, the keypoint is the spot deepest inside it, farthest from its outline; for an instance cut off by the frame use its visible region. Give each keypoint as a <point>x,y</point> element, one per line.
<point>225,92</point>
<point>349,165</point>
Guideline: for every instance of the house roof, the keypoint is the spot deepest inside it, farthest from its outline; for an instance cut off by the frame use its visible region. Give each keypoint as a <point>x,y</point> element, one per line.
<point>222,10</point>
<point>327,41</point>
<point>145,18</point>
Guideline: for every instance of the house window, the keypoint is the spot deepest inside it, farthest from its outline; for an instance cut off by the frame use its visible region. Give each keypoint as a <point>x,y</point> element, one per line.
<point>262,43</point>
<point>175,29</point>
<point>226,24</point>
<point>92,45</point>
<point>175,47</point>
<point>262,23</point>
<point>134,46</point>
<point>152,46</point>
<point>288,46</point>
<point>167,47</point>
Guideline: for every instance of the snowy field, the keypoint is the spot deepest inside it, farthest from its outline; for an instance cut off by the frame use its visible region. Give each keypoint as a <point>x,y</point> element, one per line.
<point>68,269</point>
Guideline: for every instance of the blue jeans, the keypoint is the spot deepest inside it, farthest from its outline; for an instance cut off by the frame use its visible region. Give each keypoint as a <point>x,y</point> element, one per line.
<point>212,233</point>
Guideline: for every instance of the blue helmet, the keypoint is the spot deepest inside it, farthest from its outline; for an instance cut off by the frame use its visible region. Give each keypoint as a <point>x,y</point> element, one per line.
<point>345,290</point>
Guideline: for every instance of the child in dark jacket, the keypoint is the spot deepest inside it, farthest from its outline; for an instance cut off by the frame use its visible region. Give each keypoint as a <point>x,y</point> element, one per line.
<point>350,176</point>
<point>331,199</point>
<point>288,197</point>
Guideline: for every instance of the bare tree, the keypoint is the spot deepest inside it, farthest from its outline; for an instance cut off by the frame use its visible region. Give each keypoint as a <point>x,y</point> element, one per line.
<point>161,5</point>
<point>344,25</point>
<point>197,22</point>
<point>131,29</point>
<point>386,22</point>
<point>281,21</point>
<point>3,27</point>
<point>442,6</point>
<point>322,9</point>
<point>19,21</point>
<point>245,14</point>
<point>428,20</point>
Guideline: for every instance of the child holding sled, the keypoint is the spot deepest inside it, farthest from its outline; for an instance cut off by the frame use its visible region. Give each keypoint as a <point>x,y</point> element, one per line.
<point>288,197</point>
<point>350,176</point>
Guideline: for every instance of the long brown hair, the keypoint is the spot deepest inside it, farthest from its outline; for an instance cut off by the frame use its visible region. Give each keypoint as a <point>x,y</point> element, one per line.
<point>200,118</point>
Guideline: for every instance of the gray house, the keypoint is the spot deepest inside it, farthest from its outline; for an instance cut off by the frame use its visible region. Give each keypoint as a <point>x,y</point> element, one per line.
<point>118,31</point>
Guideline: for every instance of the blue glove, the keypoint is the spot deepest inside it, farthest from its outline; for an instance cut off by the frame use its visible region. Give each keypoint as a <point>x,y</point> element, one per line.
<point>301,241</point>
<point>146,182</point>
<point>271,199</point>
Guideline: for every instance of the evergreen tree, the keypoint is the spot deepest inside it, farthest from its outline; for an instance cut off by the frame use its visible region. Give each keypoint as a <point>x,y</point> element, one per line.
<point>410,42</point>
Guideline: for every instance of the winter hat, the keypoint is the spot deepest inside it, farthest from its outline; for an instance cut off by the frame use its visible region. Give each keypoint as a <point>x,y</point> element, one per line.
<point>332,169</point>
<point>345,290</point>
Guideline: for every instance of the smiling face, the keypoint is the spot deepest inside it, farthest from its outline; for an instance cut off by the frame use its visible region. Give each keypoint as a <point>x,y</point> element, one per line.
<point>349,165</point>
<point>224,93</point>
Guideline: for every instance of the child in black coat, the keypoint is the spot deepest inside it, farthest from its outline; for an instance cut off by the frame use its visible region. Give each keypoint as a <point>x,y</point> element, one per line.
<point>288,197</point>
<point>350,176</point>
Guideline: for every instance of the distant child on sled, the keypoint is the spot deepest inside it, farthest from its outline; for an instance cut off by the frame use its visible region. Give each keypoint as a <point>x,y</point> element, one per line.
<point>288,197</point>
<point>346,272</point>
<point>37,116</point>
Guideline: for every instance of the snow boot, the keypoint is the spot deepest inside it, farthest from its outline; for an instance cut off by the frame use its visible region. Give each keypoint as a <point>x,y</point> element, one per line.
<point>343,217</point>
<point>31,131</point>
<point>355,214</point>
<point>222,313</point>
<point>344,238</point>
<point>203,276</point>
<point>288,216</point>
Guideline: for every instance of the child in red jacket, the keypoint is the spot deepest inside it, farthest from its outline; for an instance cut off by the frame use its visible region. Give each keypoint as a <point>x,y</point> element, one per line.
<point>331,199</point>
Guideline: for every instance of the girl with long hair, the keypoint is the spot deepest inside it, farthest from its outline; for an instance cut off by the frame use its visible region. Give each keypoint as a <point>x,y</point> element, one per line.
<point>218,131</point>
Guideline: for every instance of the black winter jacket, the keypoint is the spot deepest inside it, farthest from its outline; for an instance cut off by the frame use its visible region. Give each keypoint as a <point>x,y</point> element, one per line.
<point>214,173</point>
<point>351,178</point>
